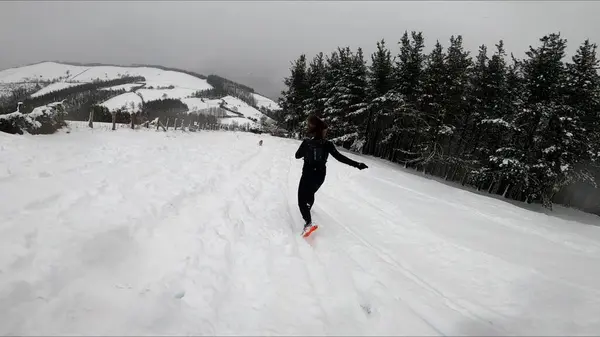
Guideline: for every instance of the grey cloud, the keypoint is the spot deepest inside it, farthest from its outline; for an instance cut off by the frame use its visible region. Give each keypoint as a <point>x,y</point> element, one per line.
<point>254,42</point>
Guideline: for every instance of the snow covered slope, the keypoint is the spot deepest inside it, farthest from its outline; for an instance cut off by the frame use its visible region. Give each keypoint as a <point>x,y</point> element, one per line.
<point>195,104</point>
<point>153,233</point>
<point>242,107</point>
<point>54,87</point>
<point>128,101</point>
<point>52,71</point>
<point>159,84</point>
<point>198,104</point>
<point>265,102</point>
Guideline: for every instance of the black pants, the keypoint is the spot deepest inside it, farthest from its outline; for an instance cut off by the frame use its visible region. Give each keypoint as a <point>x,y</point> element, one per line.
<point>310,182</point>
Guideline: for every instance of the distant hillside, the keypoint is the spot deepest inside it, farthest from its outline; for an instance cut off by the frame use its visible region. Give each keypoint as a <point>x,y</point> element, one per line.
<point>129,89</point>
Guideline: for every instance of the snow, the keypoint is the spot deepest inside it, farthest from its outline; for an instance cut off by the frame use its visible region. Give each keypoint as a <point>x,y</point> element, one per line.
<point>123,102</point>
<point>11,115</point>
<point>195,104</point>
<point>6,89</point>
<point>43,110</point>
<point>50,71</point>
<point>156,94</point>
<point>262,101</point>
<point>126,87</point>
<point>498,121</point>
<point>30,118</point>
<point>140,232</point>
<point>242,107</point>
<point>237,120</point>
<point>54,87</point>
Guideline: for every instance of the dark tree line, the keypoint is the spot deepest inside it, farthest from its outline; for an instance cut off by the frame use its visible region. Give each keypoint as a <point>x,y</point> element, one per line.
<point>71,93</point>
<point>17,94</point>
<point>168,107</point>
<point>79,104</point>
<point>526,129</point>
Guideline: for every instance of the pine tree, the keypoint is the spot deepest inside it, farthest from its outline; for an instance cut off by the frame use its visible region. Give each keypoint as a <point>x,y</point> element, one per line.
<point>409,66</point>
<point>459,113</point>
<point>293,99</point>
<point>583,85</point>
<point>546,120</point>
<point>582,127</point>
<point>381,96</point>
<point>432,105</point>
<point>346,90</point>
<point>315,102</point>
<point>333,89</point>
<point>409,123</point>
<point>358,97</point>
<point>492,108</point>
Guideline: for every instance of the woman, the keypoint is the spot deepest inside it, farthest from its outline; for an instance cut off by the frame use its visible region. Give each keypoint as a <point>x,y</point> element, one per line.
<point>315,152</point>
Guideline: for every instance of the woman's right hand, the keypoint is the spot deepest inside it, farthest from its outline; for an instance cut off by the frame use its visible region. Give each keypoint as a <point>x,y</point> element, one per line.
<point>361,166</point>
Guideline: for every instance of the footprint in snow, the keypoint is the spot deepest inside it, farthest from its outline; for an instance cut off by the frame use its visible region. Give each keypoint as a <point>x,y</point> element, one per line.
<point>366,308</point>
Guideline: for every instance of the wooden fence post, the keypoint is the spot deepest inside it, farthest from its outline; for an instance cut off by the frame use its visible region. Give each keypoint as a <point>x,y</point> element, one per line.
<point>91,121</point>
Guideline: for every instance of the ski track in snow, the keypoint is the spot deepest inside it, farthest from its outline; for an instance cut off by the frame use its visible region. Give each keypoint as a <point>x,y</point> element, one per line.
<point>144,232</point>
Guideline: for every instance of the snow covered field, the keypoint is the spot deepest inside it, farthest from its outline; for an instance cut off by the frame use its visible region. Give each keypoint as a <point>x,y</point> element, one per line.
<point>144,232</point>
<point>128,101</point>
<point>263,101</point>
<point>156,94</point>
<point>54,87</point>
<point>195,104</point>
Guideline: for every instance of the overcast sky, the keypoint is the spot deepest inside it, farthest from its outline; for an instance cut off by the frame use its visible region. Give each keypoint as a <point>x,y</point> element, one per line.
<point>253,42</point>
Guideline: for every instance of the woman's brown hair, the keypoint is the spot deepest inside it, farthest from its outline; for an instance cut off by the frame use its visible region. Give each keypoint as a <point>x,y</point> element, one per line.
<point>317,126</point>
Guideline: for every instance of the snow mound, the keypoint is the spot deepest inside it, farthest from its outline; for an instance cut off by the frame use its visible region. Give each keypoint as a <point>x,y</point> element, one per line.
<point>44,119</point>
<point>264,102</point>
<point>128,101</point>
<point>54,87</point>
